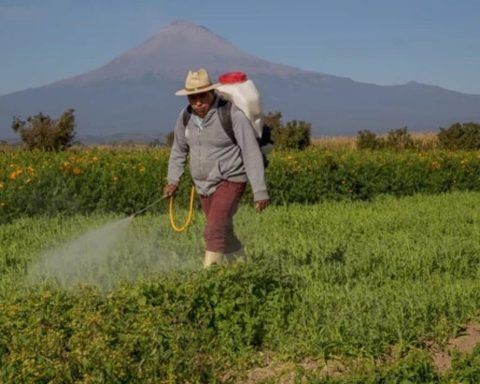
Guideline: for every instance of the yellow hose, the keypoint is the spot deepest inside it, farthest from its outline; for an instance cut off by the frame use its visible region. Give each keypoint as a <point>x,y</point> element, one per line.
<point>190,213</point>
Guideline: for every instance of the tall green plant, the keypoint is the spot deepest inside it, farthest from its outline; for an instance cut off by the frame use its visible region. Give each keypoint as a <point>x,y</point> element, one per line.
<point>399,139</point>
<point>42,132</point>
<point>368,140</point>
<point>396,139</point>
<point>295,134</point>
<point>460,136</point>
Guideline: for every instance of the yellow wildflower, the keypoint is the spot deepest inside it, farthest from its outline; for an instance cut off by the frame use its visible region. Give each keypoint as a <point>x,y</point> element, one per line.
<point>15,174</point>
<point>76,171</point>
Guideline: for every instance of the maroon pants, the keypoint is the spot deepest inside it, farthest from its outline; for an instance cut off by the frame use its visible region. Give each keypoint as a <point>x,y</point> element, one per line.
<point>219,209</point>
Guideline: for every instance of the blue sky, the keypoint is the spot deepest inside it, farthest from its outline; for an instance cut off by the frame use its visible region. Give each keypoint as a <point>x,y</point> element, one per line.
<point>376,41</point>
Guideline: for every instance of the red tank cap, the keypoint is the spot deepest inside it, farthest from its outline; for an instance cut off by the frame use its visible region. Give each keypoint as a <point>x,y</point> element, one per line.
<point>232,77</point>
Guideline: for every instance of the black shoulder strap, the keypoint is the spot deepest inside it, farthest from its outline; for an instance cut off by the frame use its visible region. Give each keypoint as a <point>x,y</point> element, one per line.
<point>224,110</point>
<point>187,113</point>
<point>225,115</point>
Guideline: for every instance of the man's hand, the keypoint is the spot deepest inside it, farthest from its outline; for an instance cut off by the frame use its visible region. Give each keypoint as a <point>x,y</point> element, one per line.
<point>170,190</point>
<point>260,205</point>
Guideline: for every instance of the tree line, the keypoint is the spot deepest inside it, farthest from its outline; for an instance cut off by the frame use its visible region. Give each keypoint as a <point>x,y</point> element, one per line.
<point>42,132</point>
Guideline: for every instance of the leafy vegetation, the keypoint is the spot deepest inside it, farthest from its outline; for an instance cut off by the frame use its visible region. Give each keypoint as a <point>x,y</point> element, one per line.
<point>396,139</point>
<point>364,286</point>
<point>345,282</point>
<point>293,135</point>
<point>460,136</point>
<point>124,181</point>
<point>44,133</point>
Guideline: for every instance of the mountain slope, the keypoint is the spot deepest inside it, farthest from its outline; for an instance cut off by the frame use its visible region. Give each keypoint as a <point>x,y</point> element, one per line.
<point>134,92</point>
<point>171,53</point>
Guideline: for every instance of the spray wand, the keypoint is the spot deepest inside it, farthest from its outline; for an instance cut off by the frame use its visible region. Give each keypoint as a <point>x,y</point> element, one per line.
<point>148,206</point>
<point>172,221</point>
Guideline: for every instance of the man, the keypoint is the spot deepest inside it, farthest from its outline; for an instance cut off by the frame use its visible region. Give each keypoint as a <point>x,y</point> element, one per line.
<point>219,167</point>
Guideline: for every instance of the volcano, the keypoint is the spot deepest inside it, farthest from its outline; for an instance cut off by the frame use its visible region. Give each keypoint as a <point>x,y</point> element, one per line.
<point>131,97</point>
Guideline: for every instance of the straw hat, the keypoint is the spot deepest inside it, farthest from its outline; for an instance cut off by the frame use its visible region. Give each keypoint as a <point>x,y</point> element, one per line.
<point>196,82</point>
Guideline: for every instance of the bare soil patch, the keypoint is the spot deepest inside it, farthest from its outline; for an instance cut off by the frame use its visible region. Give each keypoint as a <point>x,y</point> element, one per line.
<point>464,343</point>
<point>286,372</point>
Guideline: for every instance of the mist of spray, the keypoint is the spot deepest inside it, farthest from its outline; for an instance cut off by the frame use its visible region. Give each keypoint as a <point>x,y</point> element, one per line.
<point>103,257</point>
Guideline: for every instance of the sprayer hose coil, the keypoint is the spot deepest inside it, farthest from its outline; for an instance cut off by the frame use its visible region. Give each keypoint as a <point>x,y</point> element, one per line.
<point>189,216</point>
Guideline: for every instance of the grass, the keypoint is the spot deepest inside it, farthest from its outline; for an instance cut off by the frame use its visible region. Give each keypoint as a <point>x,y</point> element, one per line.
<point>422,141</point>
<point>365,284</point>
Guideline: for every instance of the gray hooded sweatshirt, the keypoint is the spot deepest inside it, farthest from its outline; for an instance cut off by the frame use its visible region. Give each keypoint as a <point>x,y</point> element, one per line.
<point>214,157</point>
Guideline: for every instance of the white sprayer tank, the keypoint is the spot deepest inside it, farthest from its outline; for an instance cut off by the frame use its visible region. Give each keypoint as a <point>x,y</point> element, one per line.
<point>235,86</point>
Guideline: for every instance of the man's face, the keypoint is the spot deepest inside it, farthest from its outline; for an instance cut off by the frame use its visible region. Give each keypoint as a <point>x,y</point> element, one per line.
<point>201,102</point>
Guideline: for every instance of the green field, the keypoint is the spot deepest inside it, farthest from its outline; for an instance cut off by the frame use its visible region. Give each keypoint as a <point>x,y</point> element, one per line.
<point>114,180</point>
<point>362,288</point>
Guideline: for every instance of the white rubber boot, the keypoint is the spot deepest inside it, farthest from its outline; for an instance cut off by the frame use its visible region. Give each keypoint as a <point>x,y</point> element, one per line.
<point>236,256</point>
<point>212,258</point>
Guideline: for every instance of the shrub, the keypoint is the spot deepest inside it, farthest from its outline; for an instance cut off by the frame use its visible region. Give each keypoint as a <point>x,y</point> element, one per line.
<point>42,132</point>
<point>460,136</point>
<point>273,120</point>
<point>368,140</point>
<point>396,139</point>
<point>399,139</point>
<point>295,134</point>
